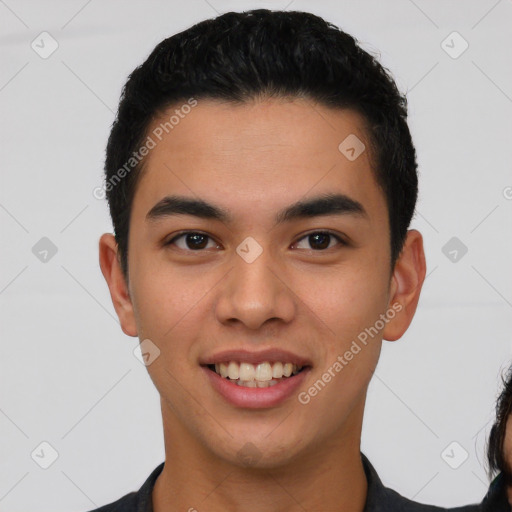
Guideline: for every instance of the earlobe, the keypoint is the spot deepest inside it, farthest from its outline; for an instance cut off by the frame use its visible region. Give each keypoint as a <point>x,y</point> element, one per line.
<point>111,270</point>
<point>405,288</point>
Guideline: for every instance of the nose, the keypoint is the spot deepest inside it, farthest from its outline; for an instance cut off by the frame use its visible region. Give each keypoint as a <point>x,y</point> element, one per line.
<point>254,294</point>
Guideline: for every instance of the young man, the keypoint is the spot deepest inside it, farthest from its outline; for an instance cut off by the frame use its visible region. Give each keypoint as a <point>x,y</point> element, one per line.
<point>499,497</point>
<point>261,179</point>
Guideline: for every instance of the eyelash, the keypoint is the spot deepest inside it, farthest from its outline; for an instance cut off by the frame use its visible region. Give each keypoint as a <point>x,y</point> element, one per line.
<point>320,232</point>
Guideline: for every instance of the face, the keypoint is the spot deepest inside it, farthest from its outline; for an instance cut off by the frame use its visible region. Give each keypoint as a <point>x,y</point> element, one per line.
<point>507,452</point>
<point>256,249</point>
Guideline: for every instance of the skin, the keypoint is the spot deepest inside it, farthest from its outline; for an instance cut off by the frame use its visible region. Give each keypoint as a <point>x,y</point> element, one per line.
<point>254,160</point>
<point>507,449</point>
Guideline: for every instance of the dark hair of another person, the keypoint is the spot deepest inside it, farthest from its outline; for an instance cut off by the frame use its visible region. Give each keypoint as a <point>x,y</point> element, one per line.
<point>496,446</point>
<point>238,57</point>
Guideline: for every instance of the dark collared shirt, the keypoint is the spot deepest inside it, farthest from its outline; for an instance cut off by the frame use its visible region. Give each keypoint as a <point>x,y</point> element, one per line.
<point>378,499</point>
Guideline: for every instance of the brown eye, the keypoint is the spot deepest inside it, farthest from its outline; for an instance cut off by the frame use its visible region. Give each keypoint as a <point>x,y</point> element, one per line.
<point>193,241</point>
<point>320,240</point>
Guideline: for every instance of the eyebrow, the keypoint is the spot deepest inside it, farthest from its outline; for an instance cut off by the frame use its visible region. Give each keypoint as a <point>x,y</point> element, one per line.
<point>326,204</point>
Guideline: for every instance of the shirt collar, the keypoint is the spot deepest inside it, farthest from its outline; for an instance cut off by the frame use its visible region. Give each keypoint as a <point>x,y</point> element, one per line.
<point>378,498</point>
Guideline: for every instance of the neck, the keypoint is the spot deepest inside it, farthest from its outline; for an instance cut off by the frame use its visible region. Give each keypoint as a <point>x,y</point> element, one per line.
<point>330,477</point>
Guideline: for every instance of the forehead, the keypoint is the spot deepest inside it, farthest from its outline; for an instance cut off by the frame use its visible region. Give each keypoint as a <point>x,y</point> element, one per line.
<point>259,154</point>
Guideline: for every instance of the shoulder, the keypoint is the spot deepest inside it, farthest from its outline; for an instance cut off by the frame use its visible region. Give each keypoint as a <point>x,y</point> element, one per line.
<point>139,501</point>
<point>383,499</point>
<point>127,503</point>
<point>496,499</point>
<point>392,501</point>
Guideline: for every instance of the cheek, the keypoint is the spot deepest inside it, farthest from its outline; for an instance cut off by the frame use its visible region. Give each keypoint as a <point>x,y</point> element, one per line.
<point>170,313</point>
<point>167,304</point>
<point>347,301</point>
<point>350,306</point>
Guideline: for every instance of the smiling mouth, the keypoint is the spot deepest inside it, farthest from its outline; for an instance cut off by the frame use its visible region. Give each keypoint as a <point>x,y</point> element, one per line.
<point>261,375</point>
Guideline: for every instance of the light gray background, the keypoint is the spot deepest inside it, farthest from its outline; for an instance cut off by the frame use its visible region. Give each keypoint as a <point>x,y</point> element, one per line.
<point>68,373</point>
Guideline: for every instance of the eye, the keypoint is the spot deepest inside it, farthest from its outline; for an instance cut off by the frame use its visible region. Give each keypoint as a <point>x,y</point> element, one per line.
<point>193,240</point>
<point>320,240</point>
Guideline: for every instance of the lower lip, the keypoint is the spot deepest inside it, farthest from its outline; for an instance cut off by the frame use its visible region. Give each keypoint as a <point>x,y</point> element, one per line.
<point>256,398</point>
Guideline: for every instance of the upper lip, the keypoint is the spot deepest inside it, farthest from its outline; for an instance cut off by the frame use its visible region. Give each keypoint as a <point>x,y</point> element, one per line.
<point>271,355</point>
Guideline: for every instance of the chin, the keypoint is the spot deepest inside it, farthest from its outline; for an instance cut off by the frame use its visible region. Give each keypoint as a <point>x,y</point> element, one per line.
<point>256,451</point>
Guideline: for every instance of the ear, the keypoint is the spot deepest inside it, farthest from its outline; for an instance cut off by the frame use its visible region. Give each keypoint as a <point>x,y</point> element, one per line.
<point>406,284</point>
<point>111,270</point>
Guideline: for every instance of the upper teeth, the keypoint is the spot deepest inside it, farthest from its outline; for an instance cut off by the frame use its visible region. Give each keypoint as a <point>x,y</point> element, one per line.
<point>261,372</point>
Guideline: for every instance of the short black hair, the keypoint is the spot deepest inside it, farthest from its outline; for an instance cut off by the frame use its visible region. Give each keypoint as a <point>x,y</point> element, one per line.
<point>496,456</point>
<point>240,56</point>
